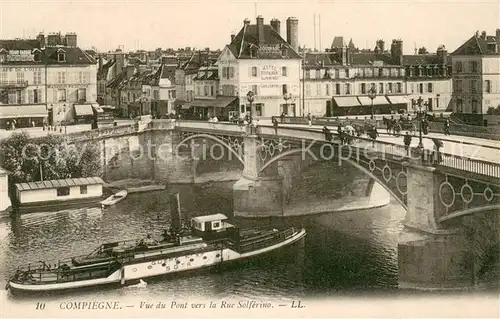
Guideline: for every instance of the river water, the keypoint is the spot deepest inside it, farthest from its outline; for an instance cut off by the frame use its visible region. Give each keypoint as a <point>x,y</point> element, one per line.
<point>342,253</point>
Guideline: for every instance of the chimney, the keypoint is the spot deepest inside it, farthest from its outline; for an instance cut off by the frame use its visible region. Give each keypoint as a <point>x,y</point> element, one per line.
<point>275,24</point>
<point>292,33</point>
<point>497,40</point>
<point>71,39</point>
<point>232,37</point>
<point>120,62</point>
<point>442,54</point>
<point>41,39</point>
<point>397,51</point>
<point>51,40</point>
<point>100,62</point>
<point>246,22</point>
<point>483,35</point>
<point>381,45</point>
<point>260,30</point>
<point>343,55</point>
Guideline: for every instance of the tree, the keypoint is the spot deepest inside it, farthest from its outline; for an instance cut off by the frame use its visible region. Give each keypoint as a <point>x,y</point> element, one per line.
<point>49,157</point>
<point>422,50</point>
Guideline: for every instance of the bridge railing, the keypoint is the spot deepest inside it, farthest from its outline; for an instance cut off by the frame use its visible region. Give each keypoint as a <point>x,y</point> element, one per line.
<point>395,151</point>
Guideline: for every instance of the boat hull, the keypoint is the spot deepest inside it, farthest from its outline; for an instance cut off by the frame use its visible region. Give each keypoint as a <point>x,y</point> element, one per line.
<point>130,274</point>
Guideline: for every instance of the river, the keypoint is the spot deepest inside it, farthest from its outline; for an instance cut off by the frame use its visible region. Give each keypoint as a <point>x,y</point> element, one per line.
<point>343,252</point>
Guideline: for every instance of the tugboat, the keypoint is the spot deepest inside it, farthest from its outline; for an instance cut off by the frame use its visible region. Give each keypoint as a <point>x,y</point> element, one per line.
<point>209,241</point>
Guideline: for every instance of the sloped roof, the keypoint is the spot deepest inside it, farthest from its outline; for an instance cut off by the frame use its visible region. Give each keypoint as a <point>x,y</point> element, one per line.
<point>338,42</point>
<point>367,58</point>
<point>73,56</point>
<point>477,45</point>
<point>68,182</point>
<point>19,44</point>
<point>421,59</point>
<point>102,73</point>
<point>248,36</point>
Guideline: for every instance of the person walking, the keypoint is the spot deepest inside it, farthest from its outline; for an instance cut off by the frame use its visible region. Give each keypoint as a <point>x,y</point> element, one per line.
<point>275,125</point>
<point>407,142</point>
<point>447,127</point>
<point>309,119</point>
<point>282,117</point>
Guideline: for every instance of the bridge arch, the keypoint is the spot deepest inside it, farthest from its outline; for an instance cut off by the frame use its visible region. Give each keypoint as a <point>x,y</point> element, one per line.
<point>213,138</point>
<point>351,162</point>
<point>470,211</point>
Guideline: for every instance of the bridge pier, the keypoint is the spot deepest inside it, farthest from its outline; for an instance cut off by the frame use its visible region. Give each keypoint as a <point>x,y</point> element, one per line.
<point>430,257</point>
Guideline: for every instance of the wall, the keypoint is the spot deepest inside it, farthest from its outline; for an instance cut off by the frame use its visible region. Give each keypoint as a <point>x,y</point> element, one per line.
<point>441,87</point>
<point>4,192</point>
<point>43,195</point>
<point>491,71</point>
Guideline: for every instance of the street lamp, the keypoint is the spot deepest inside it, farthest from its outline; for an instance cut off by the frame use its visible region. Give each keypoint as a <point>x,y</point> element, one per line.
<point>372,94</point>
<point>287,97</point>
<point>250,99</point>
<point>420,119</point>
<point>143,100</point>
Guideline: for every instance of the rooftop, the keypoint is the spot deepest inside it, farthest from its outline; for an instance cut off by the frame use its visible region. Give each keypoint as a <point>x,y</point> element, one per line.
<point>210,218</point>
<point>68,182</point>
<point>479,44</point>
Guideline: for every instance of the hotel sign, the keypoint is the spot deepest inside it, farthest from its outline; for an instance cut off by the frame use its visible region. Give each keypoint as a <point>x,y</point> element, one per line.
<point>269,72</point>
<point>67,86</point>
<point>20,55</point>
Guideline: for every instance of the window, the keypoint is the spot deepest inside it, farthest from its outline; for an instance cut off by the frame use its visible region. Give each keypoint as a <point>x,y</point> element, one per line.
<point>3,77</point>
<point>83,189</point>
<point>61,57</point>
<point>458,86</point>
<point>337,88</point>
<point>308,89</point>
<point>473,86</point>
<point>381,88</point>
<point>212,90</point>
<point>284,89</point>
<point>156,94</point>
<point>475,109</point>
<point>36,56</point>
<point>224,72</point>
<point>487,86</point>
<point>380,72</point>
<point>258,108</point>
<point>61,77</point>
<point>308,74</point>
<point>37,77</point>
<point>230,74</point>
<point>255,89</point>
<point>36,96</point>
<point>458,66</point>
<point>82,95</point>
<point>318,74</point>
<point>254,71</point>
<point>216,225</point>
<point>429,87</point>
<point>399,87</point>
<point>473,66</point>
<point>62,95</point>
<point>63,191</point>
<point>327,89</point>
<point>420,88</point>
<point>20,97</point>
<point>205,90</point>
<point>363,88</point>
<point>347,88</point>
<point>460,106</point>
<point>284,71</point>
<point>20,77</point>
<point>318,89</point>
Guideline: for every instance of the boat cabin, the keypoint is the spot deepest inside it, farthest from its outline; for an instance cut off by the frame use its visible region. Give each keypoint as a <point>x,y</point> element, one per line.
<point>206,226</point>
<point>59,193</point>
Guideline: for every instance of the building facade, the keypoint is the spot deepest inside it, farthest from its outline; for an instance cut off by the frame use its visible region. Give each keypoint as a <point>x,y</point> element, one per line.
<point>259,60</point>
<point>476,81</point>
<point>42,80</point>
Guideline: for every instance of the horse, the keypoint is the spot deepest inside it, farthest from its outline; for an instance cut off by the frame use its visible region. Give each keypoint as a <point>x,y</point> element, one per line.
<point>390,124</point>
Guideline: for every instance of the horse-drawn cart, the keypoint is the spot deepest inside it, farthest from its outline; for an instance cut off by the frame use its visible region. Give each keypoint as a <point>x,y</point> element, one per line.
<point>396,126</point>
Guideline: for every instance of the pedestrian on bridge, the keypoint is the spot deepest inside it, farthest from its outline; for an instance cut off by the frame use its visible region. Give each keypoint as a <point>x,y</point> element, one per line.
<point>407,142</point>
<point>309,119</point>
<point>275,125</point>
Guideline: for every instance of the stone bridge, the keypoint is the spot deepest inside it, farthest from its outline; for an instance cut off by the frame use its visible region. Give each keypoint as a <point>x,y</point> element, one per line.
<point>451,226</point>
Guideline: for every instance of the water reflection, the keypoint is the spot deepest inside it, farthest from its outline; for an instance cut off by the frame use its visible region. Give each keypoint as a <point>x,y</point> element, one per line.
<point>348,251</point>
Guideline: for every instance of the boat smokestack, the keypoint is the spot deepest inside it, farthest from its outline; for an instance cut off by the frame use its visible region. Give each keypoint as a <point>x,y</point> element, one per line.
<point>175,213</point>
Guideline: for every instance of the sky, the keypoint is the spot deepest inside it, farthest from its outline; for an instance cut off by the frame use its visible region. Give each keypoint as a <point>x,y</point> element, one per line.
<point>147,25</point>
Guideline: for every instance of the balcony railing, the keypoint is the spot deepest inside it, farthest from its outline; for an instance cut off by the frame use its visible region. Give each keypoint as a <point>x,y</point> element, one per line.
<point>4,84</point>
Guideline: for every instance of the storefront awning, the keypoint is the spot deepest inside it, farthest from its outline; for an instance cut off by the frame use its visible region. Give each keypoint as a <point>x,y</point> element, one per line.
<point>97,108</point>
<point>7,112</point>
<point>83,109</point>
<point>346,101</point>
<point>186,106</point>
<point>179,102</point>
<point>378,100</point>
<point>397,99</point>
<point>221,101</point>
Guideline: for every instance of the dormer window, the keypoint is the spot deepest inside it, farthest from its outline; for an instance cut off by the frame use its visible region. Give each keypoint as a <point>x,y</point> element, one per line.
<point>61,55</point>
<point>253,51</point>
<point>36,55</point>
<point>283,51</point>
